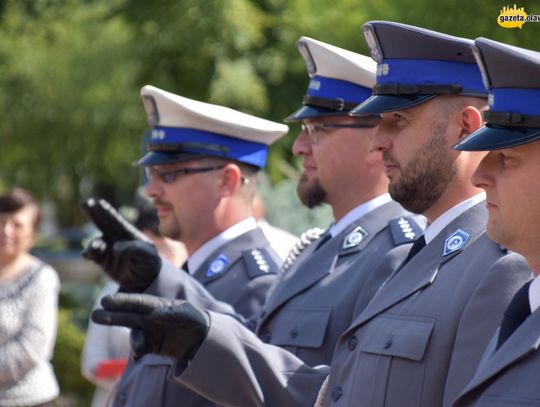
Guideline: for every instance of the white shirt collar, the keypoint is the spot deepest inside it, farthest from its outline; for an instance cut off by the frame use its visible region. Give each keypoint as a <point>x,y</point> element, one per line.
<point>442,221</point>
<point>534,294</point>
<point>355,213</point>
<point>201,254</point>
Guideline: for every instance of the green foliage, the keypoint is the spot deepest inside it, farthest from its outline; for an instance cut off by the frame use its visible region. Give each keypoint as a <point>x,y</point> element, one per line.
<point>70,111</point>
<point>79,299</point>
<point>225,90</point>
<point>66,361</point>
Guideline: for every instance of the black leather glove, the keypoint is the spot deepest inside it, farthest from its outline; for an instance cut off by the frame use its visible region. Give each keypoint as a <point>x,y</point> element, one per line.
<point>173,328</point>
<point>123,251</point>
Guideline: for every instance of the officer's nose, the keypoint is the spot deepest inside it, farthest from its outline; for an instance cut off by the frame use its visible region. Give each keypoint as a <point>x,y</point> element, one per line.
<point>302,143</point>
<point>381,140</point>
<point>153,188</point>
<point>482,177</point>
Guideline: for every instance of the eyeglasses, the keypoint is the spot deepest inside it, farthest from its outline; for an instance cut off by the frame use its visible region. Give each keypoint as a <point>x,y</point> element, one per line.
<point>169,176</point>
<point>315,130</point>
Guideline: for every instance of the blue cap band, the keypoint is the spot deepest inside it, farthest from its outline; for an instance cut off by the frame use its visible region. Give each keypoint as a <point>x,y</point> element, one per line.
<point>329,88</point>
<point>524,101</point>
<point>206,143</point>
<point>425,72</point>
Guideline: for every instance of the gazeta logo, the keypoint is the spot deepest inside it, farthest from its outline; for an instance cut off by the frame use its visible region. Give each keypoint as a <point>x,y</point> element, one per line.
<point>515,17</point>
<point>512,17</point>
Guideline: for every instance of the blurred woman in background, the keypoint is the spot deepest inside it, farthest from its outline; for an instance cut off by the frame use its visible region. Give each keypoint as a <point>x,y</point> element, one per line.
<point>29,305</point>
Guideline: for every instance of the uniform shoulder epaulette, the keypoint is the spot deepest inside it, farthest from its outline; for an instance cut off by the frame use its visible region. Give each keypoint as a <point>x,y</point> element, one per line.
<point>259,262</point>
<point>305,239</point>
<point>404,229</point>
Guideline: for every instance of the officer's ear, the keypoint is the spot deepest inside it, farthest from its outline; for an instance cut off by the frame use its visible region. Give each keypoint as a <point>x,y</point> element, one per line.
<point>231,178</point>
<point>471,120</point>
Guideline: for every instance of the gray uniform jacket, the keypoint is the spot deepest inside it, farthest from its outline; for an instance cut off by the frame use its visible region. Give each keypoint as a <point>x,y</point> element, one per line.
<point>305,313</point>
<point>420,339</point>
<point>509,376</point>
<point>313,302</point>
<point>239,273</point>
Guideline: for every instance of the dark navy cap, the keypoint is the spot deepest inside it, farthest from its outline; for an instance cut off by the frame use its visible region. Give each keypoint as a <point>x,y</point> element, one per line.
<point>415,65</point>
<point>513,77</point>
<point>340,80</point>
<point>185,129</point>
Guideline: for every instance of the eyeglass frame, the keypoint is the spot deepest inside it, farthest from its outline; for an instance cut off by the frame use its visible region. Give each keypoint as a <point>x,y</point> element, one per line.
<point>152,173</point>
<point>321,126</point>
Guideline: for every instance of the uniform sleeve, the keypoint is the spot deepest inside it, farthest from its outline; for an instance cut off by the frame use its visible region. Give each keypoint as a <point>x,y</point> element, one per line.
<point>235,368</point>
<point>480,319</point>
<point>36,338</point>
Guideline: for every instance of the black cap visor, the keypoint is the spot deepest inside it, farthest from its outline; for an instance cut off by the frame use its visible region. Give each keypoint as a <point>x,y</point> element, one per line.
<point>377,104</point>
<point>166,157</point>
<point>492,137</point>
<point>312,112</point>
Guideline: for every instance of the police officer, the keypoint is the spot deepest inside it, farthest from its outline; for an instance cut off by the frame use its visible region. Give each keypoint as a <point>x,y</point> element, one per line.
<point>201,169</point>
<point>318,296</point>
<point>421,337</point>
<point>508,371</point>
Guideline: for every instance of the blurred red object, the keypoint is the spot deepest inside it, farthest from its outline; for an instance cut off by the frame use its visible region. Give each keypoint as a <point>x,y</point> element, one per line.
<point>111,369</point>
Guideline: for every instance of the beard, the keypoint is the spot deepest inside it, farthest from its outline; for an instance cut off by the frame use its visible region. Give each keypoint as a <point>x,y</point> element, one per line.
<point>425,178</point>
<point>171,227</point>
<point>311,194</point>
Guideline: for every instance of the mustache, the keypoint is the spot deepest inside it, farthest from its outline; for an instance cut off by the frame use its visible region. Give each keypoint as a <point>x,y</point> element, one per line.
<point>387,158</point>
<point>159,202</point>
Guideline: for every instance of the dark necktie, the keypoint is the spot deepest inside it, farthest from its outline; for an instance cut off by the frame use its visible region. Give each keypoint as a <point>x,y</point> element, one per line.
<point>517,311</point>
<point>185,267</point>
<point>325,238</point>
<point>418,245</point>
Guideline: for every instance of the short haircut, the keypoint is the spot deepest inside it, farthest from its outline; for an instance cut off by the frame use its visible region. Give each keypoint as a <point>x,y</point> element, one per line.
<point>451,104</point>
<point>15,199</point>
<point>249,172</point>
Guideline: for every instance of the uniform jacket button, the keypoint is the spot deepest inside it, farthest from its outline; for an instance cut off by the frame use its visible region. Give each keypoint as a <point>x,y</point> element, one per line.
<point>293,332</point>
<point>352,342</point>
<point>388,342</point>
<point>121,399</point>
<point>337,392</point>
<point>266,336</point>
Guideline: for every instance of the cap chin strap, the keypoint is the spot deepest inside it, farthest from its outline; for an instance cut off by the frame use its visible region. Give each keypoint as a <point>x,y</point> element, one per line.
<point>397,89</point>
<point>188,147</point>
<point>337,104</point>
<point>511,119</point>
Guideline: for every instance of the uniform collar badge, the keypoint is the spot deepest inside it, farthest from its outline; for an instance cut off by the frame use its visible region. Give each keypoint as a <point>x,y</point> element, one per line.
<point>455,241</point>
<point>217,266</point>
<point>407,229</point>
<point>354,238</point>
<point>260,260</point>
